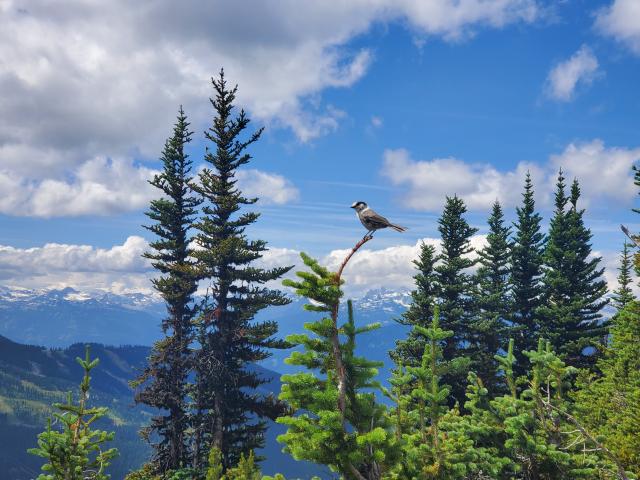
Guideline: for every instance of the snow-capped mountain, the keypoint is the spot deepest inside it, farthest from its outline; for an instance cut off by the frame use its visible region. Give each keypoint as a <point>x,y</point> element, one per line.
<point>60,317</point>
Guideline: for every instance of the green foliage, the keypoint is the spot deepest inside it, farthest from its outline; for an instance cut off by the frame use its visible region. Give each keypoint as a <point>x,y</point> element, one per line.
<point>357,442</point>
<point>421,407</point>
<point>573,284</point>
<point>623,295</point>
<point>228,336</point>
<point>492,302</point>
<point>609,404</point>
<point>409,351</point>
<point>455,284</point>
<point>75,451</point>
<point>526,272</point>
<point>164,380</point>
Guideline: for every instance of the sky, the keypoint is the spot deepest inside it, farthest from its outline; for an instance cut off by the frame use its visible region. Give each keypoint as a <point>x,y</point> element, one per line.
<point>396,103</point>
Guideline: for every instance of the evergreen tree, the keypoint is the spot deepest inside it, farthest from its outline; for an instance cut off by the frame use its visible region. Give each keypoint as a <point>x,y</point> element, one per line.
<point>455,285</point>
<point>526,274</point>
<point>491,300</point>
<point>409,351</point>
<point>427,453</point>
<point>609,404</point>
<point>76,450</point>
<point>624,295</point>
<point>230,414</point>
<point>357,443</point>
<point>574,288</point>
<point>164,380</point>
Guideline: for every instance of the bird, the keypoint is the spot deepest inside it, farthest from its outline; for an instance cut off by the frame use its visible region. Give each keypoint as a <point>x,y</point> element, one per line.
<point>626,231</point>
<point>371,220</point>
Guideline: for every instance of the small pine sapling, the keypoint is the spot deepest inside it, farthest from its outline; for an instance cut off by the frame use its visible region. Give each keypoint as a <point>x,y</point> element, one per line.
<point>76,451</point>
<point>340,423</point>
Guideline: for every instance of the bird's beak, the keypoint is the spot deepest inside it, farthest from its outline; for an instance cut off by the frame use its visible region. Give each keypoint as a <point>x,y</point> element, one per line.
<point>353,205</point>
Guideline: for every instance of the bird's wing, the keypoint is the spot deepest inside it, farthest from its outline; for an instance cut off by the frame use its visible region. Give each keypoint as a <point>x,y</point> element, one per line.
<point>626,231</point>
<point>375,218</point>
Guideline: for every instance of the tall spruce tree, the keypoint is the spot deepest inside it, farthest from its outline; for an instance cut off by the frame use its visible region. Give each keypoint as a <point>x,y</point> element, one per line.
<point>455,286</point>
<point>409,351</point>
<point>623,295</point>
<point>492,301</point>
<point>574,288</point>
<point>164,380</point>
<point>526,274</point>
<point>231,414</point>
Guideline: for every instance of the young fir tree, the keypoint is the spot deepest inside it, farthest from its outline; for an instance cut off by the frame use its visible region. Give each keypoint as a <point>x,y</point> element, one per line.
<point>623,295</point>
<point>164,380</point>
<point>609,404</point>
<point>574,288</point>
<point>455,286</point>
<point>230,414</point>
<point>76,450</point>
<point>526,274</point>
<point>421,405</point>
<point>492,301</point>
<point>356,442</point>
<point>408,351</point>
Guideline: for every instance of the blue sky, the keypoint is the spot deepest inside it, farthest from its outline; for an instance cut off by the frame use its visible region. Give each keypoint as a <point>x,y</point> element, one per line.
<point>397,104</point>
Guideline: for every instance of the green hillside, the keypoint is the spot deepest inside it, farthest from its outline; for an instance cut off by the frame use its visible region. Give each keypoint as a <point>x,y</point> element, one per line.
<point>32,378</point>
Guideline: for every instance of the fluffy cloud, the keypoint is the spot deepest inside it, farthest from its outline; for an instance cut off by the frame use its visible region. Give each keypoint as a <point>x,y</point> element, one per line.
<point>564,78</point>
<point>604,173</point>
<point>270,187</point>
<point>119,268</point>
<point>99,186</point>
<point>621,20</point>
<point>86,80</point>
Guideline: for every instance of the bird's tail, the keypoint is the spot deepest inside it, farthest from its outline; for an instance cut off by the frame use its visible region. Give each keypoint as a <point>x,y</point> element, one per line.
<point>397,228</point>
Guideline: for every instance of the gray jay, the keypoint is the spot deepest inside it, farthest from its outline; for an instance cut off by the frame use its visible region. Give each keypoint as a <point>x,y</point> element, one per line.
<point>373,221</point>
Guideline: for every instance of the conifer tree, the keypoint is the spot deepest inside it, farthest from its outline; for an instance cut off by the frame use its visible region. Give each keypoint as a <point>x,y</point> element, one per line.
<point>526,274</point>
<point>574,288</point>
<point>164,380</point>
<point>492,302</point>
<point>455,285</point>
<point>76,450</point>
<point>408,351</point>
<point>427,452</point>
<point>609,404</point>
<point>623,295</point>
<point>230,414</point>
<point>358,442</point>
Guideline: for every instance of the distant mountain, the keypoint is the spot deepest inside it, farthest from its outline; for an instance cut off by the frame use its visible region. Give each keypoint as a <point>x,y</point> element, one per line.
<point>59,318</point>
<point>32,378</point>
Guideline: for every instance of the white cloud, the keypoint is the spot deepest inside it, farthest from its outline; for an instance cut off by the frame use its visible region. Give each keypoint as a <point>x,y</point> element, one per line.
<point>121,268</point>
<point>621,20</point>
<point>376,121</point>
<point>390,268</point>
<point>269,187</point>
<point>99,186</point>
<point>86,80</point>
<point>565,77</point>
<point>604,174</point>
<point>86,267</point>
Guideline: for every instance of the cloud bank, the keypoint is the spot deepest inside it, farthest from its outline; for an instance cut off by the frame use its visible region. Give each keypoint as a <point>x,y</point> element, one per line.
<point>121,268</point>
<point>604,174</point>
